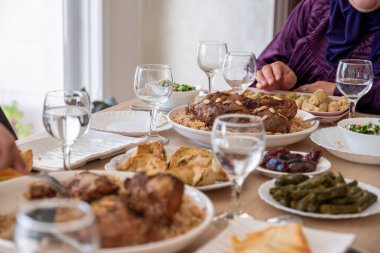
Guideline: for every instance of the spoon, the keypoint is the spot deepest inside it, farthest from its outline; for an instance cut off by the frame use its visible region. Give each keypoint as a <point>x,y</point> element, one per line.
<point>52,182</point>
<point>319,118</point>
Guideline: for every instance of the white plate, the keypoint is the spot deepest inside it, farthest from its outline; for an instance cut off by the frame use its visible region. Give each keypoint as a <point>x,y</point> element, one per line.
<point>114,162</point>
<point>373,209</point>
<point>11,195</point>
<point>322,166</point>
<point>280,140</point>
<point>47,153</point>
<point>332,139</point>
<point>131,123</point>
<point>319,241</point>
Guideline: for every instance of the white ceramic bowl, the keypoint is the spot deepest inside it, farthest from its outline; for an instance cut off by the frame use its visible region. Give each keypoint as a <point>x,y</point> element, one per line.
<point>179,98</point>
<point>12,194</point>
<point>204,137</point>
<point>357,142</point>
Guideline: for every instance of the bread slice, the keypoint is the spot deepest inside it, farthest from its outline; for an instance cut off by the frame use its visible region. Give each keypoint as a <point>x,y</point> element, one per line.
<point>278,239</point>
<point>9,173</point>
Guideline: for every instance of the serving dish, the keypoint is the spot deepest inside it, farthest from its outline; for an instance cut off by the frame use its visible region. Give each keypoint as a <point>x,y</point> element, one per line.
<point>131,123</point>
<point>319,241</point>
<point>179,98</point>
<point>47,153</point>
<point>359,142</point>
<point>114,162</point>
<point>371,210</point>
<point>323,165</point>
<point>332,139</point>
<point>11,195</point>
<point>204,137</point>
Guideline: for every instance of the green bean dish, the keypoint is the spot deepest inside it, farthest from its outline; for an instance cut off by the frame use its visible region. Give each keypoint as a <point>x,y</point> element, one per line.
<point>326,193</point>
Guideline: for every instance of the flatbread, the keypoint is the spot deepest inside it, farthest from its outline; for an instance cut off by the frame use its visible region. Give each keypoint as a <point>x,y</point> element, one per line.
<point>10,173</point>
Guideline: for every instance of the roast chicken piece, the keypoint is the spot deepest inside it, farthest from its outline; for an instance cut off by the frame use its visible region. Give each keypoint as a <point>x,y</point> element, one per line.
<point>157,198</point>
<point>274,112</point>
<point>86,186</point>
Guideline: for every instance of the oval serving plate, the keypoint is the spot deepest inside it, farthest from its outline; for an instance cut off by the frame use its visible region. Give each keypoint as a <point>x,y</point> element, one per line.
<point>323,165</point>
<point>371,210</point>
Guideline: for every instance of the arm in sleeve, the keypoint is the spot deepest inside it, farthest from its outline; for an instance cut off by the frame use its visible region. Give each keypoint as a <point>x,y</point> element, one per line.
<point>370,102</point>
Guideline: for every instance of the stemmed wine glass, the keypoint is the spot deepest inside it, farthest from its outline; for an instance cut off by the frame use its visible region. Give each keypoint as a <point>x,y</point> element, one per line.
<point>239,70</point>
<point>210,59</point>
<point>66,117</point>
<point>354,78</point>
<point>56,225</point>
<point>153,85</point>
<point>238,142</point>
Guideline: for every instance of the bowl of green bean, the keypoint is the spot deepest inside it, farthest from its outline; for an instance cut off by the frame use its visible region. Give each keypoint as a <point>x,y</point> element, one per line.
<point>182,94</point>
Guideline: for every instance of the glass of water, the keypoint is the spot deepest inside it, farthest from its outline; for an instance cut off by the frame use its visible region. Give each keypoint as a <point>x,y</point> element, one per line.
<point>238,142</point>
<point>56,226</point>
<point>153,85</point>
<point>66,117</point>
<point>239,70</point>
<point>210,59</point>
<point>354,78</point>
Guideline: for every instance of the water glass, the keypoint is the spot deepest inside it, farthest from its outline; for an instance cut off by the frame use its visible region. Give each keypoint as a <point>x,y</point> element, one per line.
<point>153,85</point>
<point>238,142</point>
<point>239,70</point>
<point>56,226</point>
<point>354,78</point>
<point>210,59</point>
<point>66,117</point>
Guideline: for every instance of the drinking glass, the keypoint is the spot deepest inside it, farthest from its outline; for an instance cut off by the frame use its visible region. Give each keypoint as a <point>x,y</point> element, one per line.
<point>56,226</point>
<point>354,78</point>
<point>210,59</point>
<point>66,117</point>
<point>239,70</point>
<point>153,85</point>
<point>238,142</point>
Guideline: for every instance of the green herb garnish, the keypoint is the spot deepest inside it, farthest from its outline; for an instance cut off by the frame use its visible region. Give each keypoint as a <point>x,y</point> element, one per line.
<point>183,87</point>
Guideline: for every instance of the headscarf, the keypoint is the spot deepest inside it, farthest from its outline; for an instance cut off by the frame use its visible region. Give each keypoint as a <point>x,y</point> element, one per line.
<point>347,27</point>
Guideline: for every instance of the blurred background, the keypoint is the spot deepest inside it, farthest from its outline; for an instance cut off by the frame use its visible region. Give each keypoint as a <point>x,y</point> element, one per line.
<point>96,45</point>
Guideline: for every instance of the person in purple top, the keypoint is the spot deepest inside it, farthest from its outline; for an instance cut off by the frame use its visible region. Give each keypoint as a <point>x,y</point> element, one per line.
<point>305,54</point>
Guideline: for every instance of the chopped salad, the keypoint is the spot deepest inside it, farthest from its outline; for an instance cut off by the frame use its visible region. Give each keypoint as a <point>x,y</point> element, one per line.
<point>369,128</point>
<point>183,87</point>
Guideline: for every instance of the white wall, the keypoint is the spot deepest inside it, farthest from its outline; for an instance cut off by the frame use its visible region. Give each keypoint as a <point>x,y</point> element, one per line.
<point>167,31</point>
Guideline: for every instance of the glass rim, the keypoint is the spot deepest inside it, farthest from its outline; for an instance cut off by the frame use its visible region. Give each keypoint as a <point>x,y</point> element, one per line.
<point>47,227</point>
<point>356,61</point>
<point>53,92</point>
<point>153,66</point>
<point>240,53</point>
<point>238,115</point>
<point>212,42</point>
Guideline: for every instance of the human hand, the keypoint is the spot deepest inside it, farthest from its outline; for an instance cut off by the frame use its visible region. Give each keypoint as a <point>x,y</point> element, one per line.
<point>311,88</point>
<point>9,153</point>
<point>276,76</point>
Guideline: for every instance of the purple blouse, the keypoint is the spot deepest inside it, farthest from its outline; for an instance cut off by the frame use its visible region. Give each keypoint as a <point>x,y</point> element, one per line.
<point>302,45</point>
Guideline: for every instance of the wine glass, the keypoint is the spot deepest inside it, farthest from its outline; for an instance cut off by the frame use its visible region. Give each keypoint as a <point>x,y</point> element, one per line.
<point>153,85</point>
<point>239,70</point>
<point>354,78</point>
<point>238,142</point>
<point>210,59</point>
<point>56,226</point>
<point>66,117</point>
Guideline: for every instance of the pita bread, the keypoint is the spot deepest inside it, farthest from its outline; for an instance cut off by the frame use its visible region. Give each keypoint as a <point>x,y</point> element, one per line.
<point>10,173</point>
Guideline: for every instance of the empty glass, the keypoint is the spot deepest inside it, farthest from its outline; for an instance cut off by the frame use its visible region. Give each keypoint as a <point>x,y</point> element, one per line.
<point>354,78</point>
<point>238,142</point>
<point>66,117</point>
<point>210,59</point>
<point>56,226</point>
<point>239,70</point>
<point>153,85</point>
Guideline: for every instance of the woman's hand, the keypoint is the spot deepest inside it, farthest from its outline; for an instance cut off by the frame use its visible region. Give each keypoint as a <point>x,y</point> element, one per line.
<point>311,88</point>
<point>9,153</point>
<point>276,76</point>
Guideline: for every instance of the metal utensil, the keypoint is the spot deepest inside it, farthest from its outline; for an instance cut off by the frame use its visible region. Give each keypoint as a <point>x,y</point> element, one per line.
<point>139,108</point>
<point>52,182</point>
<point>319,118</point>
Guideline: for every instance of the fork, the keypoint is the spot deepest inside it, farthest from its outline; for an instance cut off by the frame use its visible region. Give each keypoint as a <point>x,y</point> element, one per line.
<point>52,182</point>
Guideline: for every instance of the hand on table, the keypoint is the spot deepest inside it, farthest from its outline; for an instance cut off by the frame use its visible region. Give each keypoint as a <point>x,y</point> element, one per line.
<point>9,153</point>
<point>311,88</point>
<point>276,76</point>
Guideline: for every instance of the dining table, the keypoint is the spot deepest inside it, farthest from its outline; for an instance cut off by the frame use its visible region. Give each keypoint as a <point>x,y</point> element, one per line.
<point>366,229</point>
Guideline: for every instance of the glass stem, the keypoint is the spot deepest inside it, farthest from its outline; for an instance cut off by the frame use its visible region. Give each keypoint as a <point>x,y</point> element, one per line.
<point>66,149</point>
<point>153,120</point>
<point>236,190</point>
<point>351,108</point>
<point>211,79</point>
